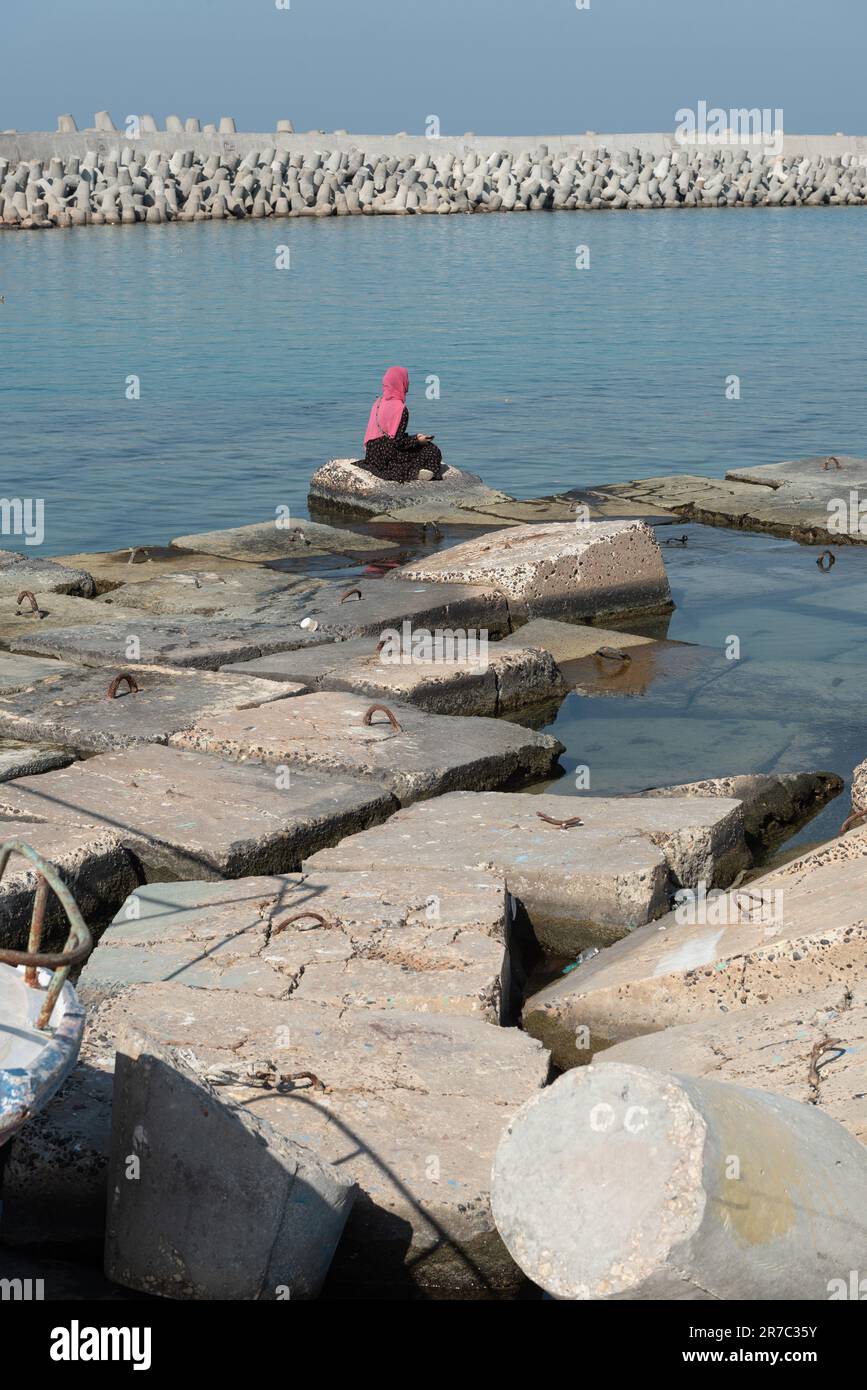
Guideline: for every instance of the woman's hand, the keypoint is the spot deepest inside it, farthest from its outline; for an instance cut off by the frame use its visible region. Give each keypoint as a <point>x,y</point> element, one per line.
<point>424,438</point>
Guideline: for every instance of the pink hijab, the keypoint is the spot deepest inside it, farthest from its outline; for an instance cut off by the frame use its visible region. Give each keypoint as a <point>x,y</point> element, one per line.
<point>388,408</point>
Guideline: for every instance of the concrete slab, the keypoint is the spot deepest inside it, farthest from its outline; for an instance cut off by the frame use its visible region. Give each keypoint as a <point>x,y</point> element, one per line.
<point>27,759</point>
<point>90,860</point>
<point>21,571</point>
<point>382,942</point>
<point>620,1183</point>
<point>775,1047</point>
<point>18,672</point>
<point>205,643</point>
<point>374,606</point>
<point>72,709</point>
<point>486,515</point>
<point>55,611</point>
<point>585,885</point>
<point>426,755</point>
<point>624,671</point>
<point>345,487</point>
<point>142,564</point>
<point>571,641</point>
<point>494,683</point>
<point>221,1206</point>
<point>298,539</point>
<point>187,815</point>
<point>797,929</point>
<point>208,593</point>
<point>410,1106</point>
<point>776,805</point>
<point>593,573</point>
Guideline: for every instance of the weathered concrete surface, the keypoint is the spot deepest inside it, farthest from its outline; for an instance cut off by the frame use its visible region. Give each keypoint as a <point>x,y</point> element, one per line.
<point>25,760</point>
<point>800,928</point>
<point>386,942</point>
<point>602,570</point>
<point>19,672</point>
<point>221,1205</point>
<point>298,539</point>
<point>490,684</point>
<point>859,789</point>
<point>90,861</point>
<point>511,511</point>
<point>206,643</point>
<point>775,1047</point>
<point>412,1108</point>
<point>21,571</point>
<point>621,1183</point>
<point>383,606</point>
<point>798,499</point>
<point>428,754</point>
<point>582,886</point>
<point>776,805</point>
<point>570,641</point>
<point>72,708</point>
<point>55,611</point>
<point>188,815</point>
<point>344,486</point>
<point>208,593</point>
<point>142,564</point>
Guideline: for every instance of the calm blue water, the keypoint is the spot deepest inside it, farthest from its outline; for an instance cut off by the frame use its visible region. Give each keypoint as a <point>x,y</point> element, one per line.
<point>551,377</point>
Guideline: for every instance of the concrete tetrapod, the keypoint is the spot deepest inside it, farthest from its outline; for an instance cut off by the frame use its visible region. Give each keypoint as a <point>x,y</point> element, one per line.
<point>622,1183</point>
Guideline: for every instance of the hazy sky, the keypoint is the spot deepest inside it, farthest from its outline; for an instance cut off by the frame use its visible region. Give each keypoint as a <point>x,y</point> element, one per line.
<point>492,66</point>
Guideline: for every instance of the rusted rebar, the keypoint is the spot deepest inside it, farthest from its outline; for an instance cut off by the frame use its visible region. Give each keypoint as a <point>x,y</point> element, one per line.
<point>857,815</point>
<point>828,460</point>
<point>349,593</point>
<point>299,917</point>
<point>368,717</point>
<point>34,606</point>
<point>561,824</point>
<point>115,685</point>
<point>612,654</point>
<point>831,558</point>
<point>79,943</point>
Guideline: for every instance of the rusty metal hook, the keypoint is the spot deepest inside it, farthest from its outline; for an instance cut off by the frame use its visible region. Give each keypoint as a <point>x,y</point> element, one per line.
<point>857,815</point>
<point>561,824</point>
<point>831,557</point>
<point>349,593</point>
<point>79,943</point>
<point>299,917</point>
<point>130,680</point>
<point>368,718</point>
<point>828,460</point>
<point>26,593</point>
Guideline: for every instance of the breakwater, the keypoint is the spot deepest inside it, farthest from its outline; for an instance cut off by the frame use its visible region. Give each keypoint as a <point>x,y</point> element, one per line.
<point>103,176</point>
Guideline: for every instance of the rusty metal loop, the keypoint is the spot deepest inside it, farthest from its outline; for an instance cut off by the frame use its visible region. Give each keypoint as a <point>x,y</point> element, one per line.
<point>828,460</point>
<point>612,654</point>
<point>561,824</point>
<point>368,718</point>
<point>27,593</point>
<point>858,814</point>
<point>349,593</point>
<point>299,917</point>
<point>79,942</point>
<point>115,685</point>
<point>831,557</point>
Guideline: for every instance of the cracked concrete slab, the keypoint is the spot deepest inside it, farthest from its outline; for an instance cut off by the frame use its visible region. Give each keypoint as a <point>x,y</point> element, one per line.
<point>18,623</point>
<point>22,571</point>
<point>18,672</point>
<point>344,487</point>
<point>72,708</point>
<point>571,641</point>
<point>427,754</point>
<point>26,759</point>
<point>583,885</point>
<point>799,928</point>
<point>594,572</point>
<point>776,805</point>
<point>208,593</point>
<point>189,815</point>
<point>373,606</point>
<point>384,940</point>
<point>296,539</point>
<point>90,860</point>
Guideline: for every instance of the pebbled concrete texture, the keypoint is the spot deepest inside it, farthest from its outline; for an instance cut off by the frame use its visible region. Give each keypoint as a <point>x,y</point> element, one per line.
<point>344,486</point>
<point>775,804</point>
<point>207,593</point>
<point>811,1047</point>
<point>22,571</point>
<point>427,755</point>
<point>297,539</point>
<point>206,643</point>
<point>409,1106</point>
<point>505,679</point>
<point>221,1207</point>
<point>90,860</point>
<point>799,928</point>
<point>72,708</point>
<point>594,572</point>
<point>581,886</point>
<point>386,940</point>
<point>187,815</point>
<point>26,759</point>
<point>620,1183</point>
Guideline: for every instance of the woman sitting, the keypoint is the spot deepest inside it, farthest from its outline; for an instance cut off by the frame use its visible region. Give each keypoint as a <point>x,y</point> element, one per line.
<point>390,452</point>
